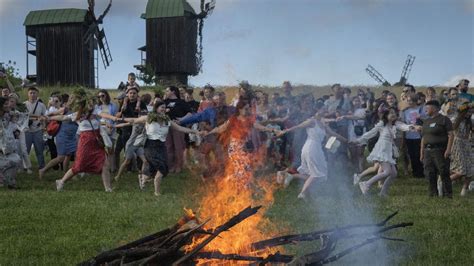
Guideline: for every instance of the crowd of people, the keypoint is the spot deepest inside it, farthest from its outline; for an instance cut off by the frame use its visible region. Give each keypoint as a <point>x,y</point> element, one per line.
<point>426,134</point>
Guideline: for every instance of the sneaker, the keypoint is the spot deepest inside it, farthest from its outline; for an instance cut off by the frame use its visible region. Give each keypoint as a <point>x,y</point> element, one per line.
<point>463,192</point>
<point>356,179</point>
<point>363,187</point>
<point>471,186</point>
<point>28,171</point>
<point>440,187</point>
<point>280,177</point>
<point>302,196</point>
<point>287,181</point>
<point>108,190</point>
<point>59,185</point>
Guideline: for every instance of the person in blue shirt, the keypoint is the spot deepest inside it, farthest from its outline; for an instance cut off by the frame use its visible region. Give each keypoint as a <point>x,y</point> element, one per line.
<point>210,118</point>
<point>215,115</point>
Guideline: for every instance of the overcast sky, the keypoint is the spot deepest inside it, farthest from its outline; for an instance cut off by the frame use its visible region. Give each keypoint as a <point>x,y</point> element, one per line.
<point>305,41</point>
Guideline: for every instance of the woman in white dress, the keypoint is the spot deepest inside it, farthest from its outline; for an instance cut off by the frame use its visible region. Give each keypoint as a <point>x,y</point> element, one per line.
<point>385,151</point>
<point>313,162</point>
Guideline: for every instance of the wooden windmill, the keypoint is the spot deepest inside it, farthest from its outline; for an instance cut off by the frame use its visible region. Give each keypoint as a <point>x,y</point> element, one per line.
<point>66,43</point>
<point>172,51</point>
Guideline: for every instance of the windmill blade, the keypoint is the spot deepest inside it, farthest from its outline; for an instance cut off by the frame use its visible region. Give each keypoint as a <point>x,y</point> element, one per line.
<point>210,7</point>
<point>377,76</point>
<point>93,30</point>
<point>407,68</point>
<point>91,4</point>
<point>103,48</point>
<point>206,9</point>
<point>101,17</point>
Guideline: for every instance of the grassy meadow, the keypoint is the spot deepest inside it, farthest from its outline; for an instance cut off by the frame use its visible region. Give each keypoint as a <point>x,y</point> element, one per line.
<point>39,226</point>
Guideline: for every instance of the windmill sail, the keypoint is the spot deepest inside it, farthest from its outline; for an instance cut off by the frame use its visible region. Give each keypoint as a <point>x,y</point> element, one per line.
<point>406,70</point>
<point>104,49</point>
<point>377,76</point>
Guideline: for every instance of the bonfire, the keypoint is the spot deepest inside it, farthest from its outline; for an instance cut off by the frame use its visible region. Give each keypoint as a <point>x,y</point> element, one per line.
<point>230,231</point>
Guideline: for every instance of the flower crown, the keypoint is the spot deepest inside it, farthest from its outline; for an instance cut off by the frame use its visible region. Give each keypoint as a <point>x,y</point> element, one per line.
<point>465,106</point>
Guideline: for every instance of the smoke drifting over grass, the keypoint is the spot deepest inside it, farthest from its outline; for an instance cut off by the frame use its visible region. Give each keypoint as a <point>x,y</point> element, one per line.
<point>337,202</point>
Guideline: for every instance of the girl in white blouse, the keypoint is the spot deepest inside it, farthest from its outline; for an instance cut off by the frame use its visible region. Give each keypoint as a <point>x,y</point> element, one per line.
<point>157,125</point>
<point>385,151</point>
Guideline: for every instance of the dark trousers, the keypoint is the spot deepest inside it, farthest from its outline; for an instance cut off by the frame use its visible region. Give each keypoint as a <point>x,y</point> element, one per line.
<point>413,147</point>
<point>435,164</point>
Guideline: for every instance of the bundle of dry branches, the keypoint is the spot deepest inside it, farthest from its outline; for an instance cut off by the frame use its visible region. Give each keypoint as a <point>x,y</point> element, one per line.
<point>166,247</point>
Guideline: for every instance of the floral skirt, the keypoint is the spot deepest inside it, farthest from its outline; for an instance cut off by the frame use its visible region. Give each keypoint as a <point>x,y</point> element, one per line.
<point>461,160</point>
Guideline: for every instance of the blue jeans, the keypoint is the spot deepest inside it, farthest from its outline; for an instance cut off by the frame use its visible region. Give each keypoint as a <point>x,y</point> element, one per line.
<point>36,138</point>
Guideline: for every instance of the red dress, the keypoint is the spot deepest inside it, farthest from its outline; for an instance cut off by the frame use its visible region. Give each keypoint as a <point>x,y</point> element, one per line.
<point>90,157</point>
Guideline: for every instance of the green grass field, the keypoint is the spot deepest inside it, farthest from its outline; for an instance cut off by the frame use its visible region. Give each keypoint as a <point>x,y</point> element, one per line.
<point>40,226</point>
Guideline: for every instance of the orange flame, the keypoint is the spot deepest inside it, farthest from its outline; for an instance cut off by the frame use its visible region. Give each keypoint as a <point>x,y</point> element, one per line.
<point>230,194</point>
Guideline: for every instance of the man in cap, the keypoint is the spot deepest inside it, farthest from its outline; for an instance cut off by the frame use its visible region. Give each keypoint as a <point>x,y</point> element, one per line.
<point>435,151</point>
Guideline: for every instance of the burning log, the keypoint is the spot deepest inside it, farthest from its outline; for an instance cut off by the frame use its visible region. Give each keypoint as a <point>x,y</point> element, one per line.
<point>232,222</point>
<point>273,258</point>
<point>293,239</point>
<point>165,244</point>
<point>166,247</point>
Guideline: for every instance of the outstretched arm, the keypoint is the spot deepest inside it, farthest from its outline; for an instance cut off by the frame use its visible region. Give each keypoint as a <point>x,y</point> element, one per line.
<point>371,133</point>
<point>60,118</point>
<point>261,127</point>
<point>220,129</point>
<point>183,129</point>
<point>108,116</point>
<point>122,125</point>
<point>139,120</point>
<point>331,132</point>
<point>307,123</point>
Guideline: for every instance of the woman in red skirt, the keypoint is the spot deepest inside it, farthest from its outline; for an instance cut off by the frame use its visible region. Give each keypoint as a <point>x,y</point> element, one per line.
<point>90,154</point>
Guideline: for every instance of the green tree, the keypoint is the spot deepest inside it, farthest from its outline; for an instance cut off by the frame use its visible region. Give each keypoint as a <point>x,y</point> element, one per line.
<point>11,73</point>
<point>147,75</point>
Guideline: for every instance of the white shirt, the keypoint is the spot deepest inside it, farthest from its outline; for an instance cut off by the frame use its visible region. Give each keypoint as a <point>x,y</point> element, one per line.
<point>84,124</point>
<point>40,110</point>
<point>155,131</point>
